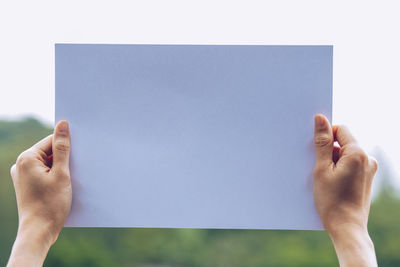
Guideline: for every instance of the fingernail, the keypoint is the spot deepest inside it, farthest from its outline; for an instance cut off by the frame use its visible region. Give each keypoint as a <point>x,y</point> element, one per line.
<point>319,122</point>
<point>63,127</point>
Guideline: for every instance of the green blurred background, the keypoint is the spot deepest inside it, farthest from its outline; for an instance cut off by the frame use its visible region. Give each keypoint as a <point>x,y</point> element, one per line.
<point>188,247</point>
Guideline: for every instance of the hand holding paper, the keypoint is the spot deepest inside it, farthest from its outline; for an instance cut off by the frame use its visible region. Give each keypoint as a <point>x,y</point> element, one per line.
<point>342,187</point>
<point>43,190</point>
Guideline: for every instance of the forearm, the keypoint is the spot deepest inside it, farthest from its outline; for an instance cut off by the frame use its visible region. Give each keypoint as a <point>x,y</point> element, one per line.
<point>30,247</point>
<point>353,247</point>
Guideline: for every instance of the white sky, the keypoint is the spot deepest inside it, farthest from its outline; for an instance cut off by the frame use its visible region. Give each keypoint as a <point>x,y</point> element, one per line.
<point>365,35</point>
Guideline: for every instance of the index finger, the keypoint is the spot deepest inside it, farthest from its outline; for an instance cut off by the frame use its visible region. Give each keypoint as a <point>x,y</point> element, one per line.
<point>44,145</point>
<point>343,136</point>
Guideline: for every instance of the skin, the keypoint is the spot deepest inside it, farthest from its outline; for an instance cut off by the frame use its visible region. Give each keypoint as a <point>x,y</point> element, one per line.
<point>342,186</point>
<point>43,190</point>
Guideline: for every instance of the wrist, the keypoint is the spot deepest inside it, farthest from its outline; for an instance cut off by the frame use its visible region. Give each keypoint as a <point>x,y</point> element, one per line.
<point>35,232</point>
<point>353,245</point>
<point>346,231</point>
<point>43,230</point>
<point>31,245</point>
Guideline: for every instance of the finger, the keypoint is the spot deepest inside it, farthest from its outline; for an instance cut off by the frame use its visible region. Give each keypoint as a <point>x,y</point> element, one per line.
<point>323,140</point>
<point>373,163</point>
<point>61,146</point>
<point>334,131</point>
<point>343,136</point>
<point>13,170</point>
<point>373,167</point>
<point>44,145</point>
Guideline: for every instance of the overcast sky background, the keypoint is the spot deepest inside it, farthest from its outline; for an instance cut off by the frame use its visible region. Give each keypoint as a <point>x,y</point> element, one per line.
<point>365,35</point>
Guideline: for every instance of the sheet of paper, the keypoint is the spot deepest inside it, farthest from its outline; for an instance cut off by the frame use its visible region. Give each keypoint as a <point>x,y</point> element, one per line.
<point>193,136</point>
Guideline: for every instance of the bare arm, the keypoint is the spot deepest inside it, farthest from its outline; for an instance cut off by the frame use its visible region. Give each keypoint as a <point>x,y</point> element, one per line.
<point>342,187</point>
<point>43,190</point>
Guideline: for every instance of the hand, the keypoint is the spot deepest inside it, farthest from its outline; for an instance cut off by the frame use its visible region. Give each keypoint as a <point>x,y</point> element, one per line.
<point>43,191</point>
<point>342,186</point>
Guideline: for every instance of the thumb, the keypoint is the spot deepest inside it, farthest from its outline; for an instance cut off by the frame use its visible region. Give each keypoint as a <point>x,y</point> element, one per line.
<point>323,140</point>
<point>61,146</point>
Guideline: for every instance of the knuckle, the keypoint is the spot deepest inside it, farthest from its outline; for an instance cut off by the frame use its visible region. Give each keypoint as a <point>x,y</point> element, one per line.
<point>358,157</point>
<point>374,164</point>
<point>323,140</point>
<point>62,134</point>
<point>25,160</point>
<point>62,145</point>
<point>12,171</point>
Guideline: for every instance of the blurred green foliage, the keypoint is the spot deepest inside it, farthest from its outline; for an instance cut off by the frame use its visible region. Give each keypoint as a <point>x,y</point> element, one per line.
<point>183,247</point>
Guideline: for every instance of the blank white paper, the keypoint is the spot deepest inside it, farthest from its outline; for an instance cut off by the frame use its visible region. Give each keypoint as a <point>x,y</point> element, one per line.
<point>193,136</point>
